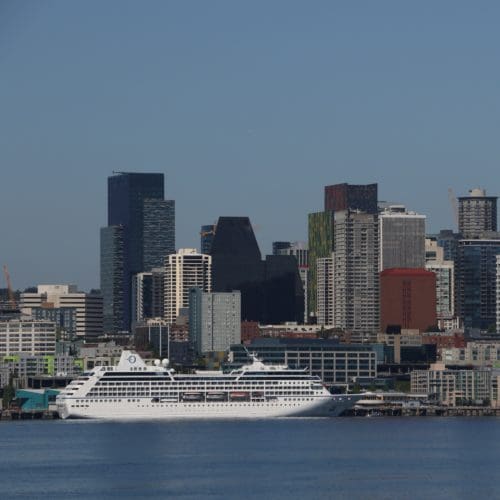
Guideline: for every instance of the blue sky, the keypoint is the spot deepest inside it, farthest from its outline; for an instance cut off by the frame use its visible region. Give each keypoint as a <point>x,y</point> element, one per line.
<point>249,108</point>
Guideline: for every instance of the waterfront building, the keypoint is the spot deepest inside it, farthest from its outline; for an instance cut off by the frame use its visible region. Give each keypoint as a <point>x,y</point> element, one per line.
<point>184,270</point>
<point>356,283</point>
<point>407,299</point>
<point>476,292</point>
<point>363,197</point>
<point>136,205</point>
<point>320,229</point>
<point>325,273</point>
<point>479,353</point>
<point>142,296</point>
<point>27,336</point>
<point>402,238</point>
<point>453,387</point>
<point>76,314</point>
<point>334,363</point>
<point>214,320</point>
<point>207,234</point>
<point>271,290</point>
<point>477,213</point>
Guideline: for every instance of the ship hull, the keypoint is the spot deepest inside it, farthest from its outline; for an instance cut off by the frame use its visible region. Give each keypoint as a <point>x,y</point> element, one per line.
<point>144,409</point>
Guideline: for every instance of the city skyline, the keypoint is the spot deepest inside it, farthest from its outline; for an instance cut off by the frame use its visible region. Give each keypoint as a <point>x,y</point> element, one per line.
<point>251,115</point>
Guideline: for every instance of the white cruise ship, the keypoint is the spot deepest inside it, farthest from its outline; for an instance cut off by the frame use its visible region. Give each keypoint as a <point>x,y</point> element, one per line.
<point>135,390</point>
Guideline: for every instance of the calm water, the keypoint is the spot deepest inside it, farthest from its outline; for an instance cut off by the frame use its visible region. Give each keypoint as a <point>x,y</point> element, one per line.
<point>287,458</point>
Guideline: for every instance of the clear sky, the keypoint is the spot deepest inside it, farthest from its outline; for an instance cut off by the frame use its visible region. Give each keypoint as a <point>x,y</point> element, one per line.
<point>248,107</point>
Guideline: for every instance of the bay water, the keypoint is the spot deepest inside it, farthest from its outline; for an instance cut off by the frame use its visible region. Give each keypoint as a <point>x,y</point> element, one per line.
<point>365,458</point>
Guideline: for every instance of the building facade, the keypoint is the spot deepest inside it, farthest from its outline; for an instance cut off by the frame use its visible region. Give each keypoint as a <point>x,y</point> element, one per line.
<point>356,283</point>
<point>184,270</point>
<point>326,290</point>
<point>207,234</point>
<point>214,320</point>
<point>402,238</point>
<point>77,314</point>
<point>477,213</point>
<point>320,229</point>
<point>476,292</point>
<point>363,197</point>
<point>26,336</point>
<point>407,299</point>
<point>142,296</point>
<point>334,363</point>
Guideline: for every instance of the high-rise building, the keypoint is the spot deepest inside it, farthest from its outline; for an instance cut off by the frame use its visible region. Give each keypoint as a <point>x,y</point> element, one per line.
<point>214,320</point>
<point>477,213</point>
<point>300,251</point>
<point>475,276</point>
<point>158,292</point>
<point>271,290</point>
<point>76,313</point>
<point>184,270</point>
<point>158,232</point>
<point>135,204</point>
<point>407,299</point>
<point>448,241</point>
<point>142,296</point>
<point>402,238</point>
<point>320,228</point>
<point>363,197</point>
<point>113,279</point>
<point>325,290</point>
<point>356,283</point>
<point>207,234</point>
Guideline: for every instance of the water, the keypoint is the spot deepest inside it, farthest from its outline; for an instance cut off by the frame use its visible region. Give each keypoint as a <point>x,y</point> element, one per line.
<point>378,458</point>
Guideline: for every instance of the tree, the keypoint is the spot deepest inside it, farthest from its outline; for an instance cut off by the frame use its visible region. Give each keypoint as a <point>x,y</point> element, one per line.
<point>9,393</point>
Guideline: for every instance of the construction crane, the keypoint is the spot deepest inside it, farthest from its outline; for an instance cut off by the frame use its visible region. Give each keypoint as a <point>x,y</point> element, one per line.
<point>453,203</point>
<point>12,299</point>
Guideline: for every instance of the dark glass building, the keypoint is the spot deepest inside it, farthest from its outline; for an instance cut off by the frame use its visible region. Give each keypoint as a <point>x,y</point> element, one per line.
<point>136,204</point>
<point>279,246</point>
<point>475,276</point>
<point>112,278</point>
<point>271,290</point>
<point>362,197</point>
<point>207,234</point>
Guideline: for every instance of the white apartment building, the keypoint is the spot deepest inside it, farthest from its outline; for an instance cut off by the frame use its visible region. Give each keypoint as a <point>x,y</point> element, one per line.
<point>356,282</point>
<point>184,270</point>
<point>402,238</point>
<point>26,336</point>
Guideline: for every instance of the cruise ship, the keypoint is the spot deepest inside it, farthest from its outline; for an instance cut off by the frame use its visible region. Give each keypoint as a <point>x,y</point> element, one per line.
<point>136,390</point>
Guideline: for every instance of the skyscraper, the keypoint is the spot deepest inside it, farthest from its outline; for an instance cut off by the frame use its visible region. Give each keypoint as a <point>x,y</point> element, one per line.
<point>136,204</point>
<point>476,213</point>
<point>402,238</point>
<point>184,270</point>
<point>207,234</point>
<point>475,276</point>
<point>142,296</point>
<point>356,283</point>
<point>113,279</point>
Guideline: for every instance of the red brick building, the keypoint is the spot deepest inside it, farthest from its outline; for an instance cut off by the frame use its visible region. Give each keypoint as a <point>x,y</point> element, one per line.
<point>407,298</point>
